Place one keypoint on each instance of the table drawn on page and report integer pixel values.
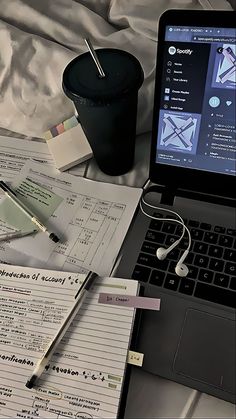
(93, 219)
(100, 235)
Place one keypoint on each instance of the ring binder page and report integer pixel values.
(85, 376)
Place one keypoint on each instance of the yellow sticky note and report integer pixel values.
(135, 358)
(47, 135)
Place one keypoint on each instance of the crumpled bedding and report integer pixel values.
(39, 38)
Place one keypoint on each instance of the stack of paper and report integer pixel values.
(15, 152)
(92, 218)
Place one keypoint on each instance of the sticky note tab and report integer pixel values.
(135, 358)
(130, 301)
(60, 128)
(47, 135)
(70, 123)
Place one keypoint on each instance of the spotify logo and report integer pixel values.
(172, 50)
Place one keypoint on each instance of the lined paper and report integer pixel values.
(85, 376)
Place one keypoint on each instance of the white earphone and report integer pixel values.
(181, 269)
(162, 252)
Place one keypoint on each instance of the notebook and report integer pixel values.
(192, 171)
(85, 376)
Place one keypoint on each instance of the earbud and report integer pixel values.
(181, 269)
(162, 252)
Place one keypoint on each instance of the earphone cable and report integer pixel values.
(142, 201)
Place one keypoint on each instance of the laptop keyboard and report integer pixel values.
(211, 261)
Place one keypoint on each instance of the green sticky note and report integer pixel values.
(40, 201)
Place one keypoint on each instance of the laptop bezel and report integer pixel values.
(178, 177)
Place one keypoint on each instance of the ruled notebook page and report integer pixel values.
(85, 376)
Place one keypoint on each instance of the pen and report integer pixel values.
(79, 298)
(12, 195)
(16, 234)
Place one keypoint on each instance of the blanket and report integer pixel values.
(39, 38)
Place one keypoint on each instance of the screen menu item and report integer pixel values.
(196, 120)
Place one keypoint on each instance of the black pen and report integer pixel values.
(79, 298)
(12, 195)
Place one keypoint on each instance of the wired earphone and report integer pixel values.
(181, 269)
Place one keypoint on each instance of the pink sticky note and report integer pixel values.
(130, 301)
(60, 128)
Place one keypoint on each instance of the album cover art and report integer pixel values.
(224, 74)
(178, 131)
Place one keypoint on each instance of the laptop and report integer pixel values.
(192, 171)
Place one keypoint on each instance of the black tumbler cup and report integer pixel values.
(107, 107)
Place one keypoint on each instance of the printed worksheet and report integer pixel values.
(15, 152)
(84, 378)
(12, 257)
(91, 221)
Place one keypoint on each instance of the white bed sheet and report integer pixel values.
(39, 38)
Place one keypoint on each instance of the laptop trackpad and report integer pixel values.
(204, 353)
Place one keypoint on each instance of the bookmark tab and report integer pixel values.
(130, 301)
(135, 358)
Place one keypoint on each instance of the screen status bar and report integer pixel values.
(200, 34)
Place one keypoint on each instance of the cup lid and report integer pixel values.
(81, 79)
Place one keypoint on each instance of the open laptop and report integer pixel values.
(192, 171)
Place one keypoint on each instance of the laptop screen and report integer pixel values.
(196, 116)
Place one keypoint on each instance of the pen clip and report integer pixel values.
(86, 284)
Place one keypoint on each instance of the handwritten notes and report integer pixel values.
(85, 376)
